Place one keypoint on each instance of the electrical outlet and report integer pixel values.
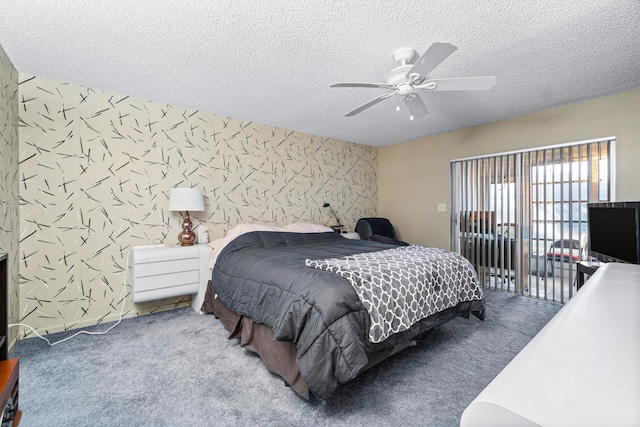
(442, 207)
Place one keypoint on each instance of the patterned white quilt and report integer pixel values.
(401, 286)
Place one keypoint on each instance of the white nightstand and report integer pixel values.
(352, 236)
(164, 271)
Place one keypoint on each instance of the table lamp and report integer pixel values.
(186, 199)
(338, 227)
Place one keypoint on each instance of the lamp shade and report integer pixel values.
(186, 199)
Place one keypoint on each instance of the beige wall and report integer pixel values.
(9, 182)
(95, 173)
(413, 177)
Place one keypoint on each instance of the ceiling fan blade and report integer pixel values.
(376, 85)
(371, 103)
(416, 106)
(429, 60)
(459, 83)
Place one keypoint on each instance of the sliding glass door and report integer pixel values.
(521, 217)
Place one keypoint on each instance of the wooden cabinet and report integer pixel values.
(9, 369)
(4, 279)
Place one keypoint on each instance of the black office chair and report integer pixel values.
(378, 229)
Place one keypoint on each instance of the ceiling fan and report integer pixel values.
(408, 78)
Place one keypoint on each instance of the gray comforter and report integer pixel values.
(262, 275)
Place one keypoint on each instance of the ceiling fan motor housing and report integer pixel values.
(397, 75)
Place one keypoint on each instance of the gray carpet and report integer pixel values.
(178, 368)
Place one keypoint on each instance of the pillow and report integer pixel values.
(218, 245)
(307, 227)
(248, 228)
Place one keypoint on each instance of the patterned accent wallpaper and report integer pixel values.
(9, 183)
(95, 173)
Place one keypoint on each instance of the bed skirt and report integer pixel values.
(279, 357)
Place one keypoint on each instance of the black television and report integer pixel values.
(613, 231)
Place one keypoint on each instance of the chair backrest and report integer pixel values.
(368, 227)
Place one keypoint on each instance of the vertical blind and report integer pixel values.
(521, 217)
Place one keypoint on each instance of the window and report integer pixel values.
(521, 217)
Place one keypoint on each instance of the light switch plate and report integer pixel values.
(442, 207)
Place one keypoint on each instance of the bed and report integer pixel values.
(304, 301)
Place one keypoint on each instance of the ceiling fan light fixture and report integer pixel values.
(405, 89)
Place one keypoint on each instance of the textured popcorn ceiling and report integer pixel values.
(272, 61)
